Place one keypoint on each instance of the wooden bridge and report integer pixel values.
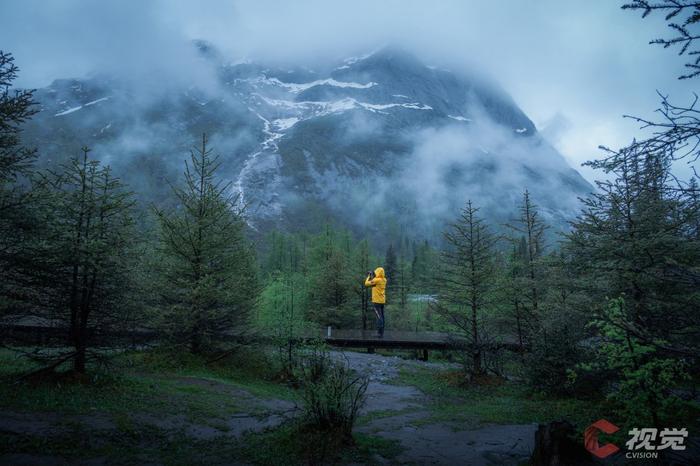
(31, 333)
(395, 339)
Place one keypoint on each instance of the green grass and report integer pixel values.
(286, 445)
(292, 444)
(499, 402)
(510, 403)
(117, 393)
(139, 445)
(249, 370)
(119, 446)
(163, 386)
(141, 382)
(376, 415)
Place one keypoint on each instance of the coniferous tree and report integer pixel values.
(16, 107)
(332, 271)
(425, 260)
(692, 208)
(634, 244)
(18, 224)
(561, 329)
(466, 280)
(275, 256)
(513, 292)
(208, 275)
(331, 280)
(528, 232)
(683, 18)
(390, 265)
(67, 244)
(87, 254)
(635, 239)
(283, 306)
(362, 265)
(402, 286)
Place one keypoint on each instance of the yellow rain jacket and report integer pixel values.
(378, 284)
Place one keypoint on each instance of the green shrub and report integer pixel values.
(332, 393)
(643, 376)
(549, 365)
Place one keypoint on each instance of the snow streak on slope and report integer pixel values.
(322, 108)
(75, 109)
(275, 103)
(298, 87)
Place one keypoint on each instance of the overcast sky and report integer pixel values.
(575, 67)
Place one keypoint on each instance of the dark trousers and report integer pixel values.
(379, 311)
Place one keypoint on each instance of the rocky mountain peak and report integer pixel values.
(377, 135)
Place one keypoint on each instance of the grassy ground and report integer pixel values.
(143, 382)
(500, 402)
(495, 401)
(155, 407)
(292, 442)
(283, 445)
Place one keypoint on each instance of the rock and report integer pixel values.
(555, 447)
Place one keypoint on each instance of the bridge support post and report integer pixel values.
(370, 350)
(424, 354)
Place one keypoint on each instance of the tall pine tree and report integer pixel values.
(390, 265)
(528, 234)
(637, 255)
(208, 278)
(466, 280)
(85, 263)
(18, 224)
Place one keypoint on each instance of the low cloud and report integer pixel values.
(587, 60)
(486, 163)
(446, 166)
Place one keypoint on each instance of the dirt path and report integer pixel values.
(425, 442)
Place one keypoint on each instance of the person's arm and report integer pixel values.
(369, 283)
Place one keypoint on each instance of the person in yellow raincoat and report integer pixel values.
(377, 281)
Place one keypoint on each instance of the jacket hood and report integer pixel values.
(379, 272)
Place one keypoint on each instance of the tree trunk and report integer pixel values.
(79, 360)
(520, 329)
(476, 351)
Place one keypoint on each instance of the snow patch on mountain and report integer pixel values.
(322, 108)
(299, 87)
(285, 123)
(75, 109)
(353, 60)
(69, 111)
(95, 101)
(459, 118)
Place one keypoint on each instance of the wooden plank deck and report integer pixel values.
(345, 338)
(391, 339)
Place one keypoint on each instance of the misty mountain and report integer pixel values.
(382, 143)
